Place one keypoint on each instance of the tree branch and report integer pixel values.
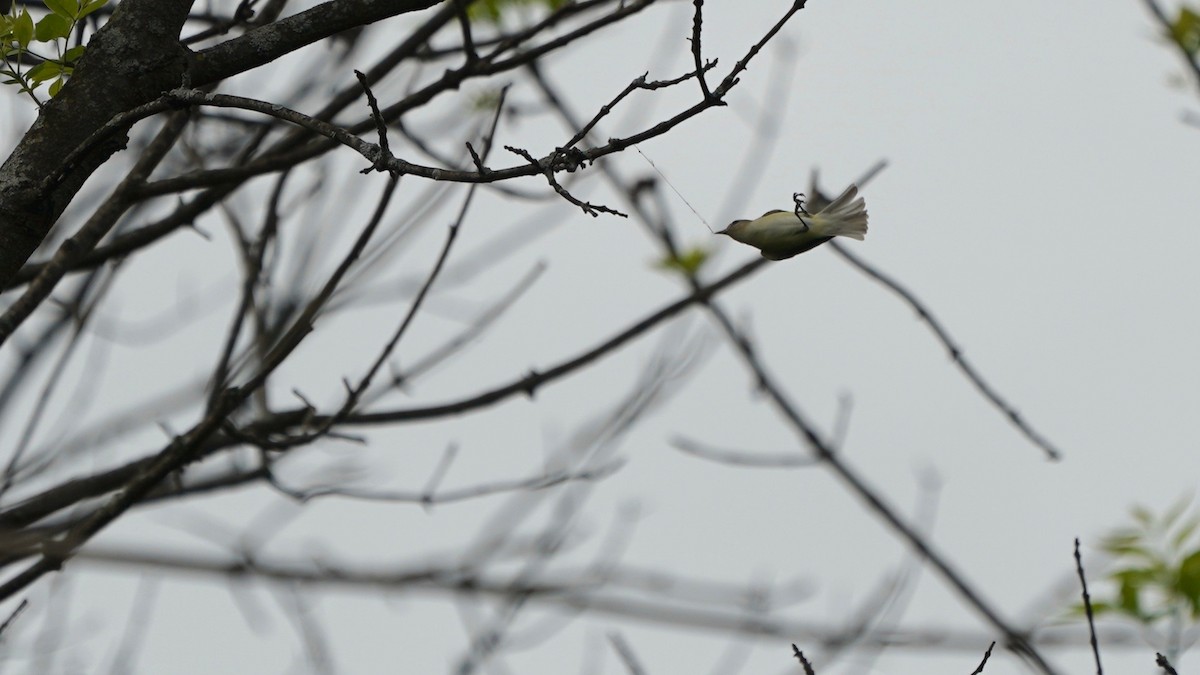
(139, 47)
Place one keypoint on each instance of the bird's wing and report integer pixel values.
(801, 226)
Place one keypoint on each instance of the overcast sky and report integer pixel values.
(1039, 197)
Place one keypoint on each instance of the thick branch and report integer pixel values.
(267, 43)
(130, 61)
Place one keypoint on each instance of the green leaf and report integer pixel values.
(67, 9)
(46, 70)
(1129, 600)
(52, 27)
(89, 7)
(484, 10)
(485, 101)
(56, 86)
(1189, 581)
(1186, 30)
(688, 262)
(73, 54)
(59, 8)
(23, 28)
(1128, 544)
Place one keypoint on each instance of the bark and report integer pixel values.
(130, 61)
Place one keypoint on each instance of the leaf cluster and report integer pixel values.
(1158, 573)
(18, 31)
(1185, 30)
(686, 262)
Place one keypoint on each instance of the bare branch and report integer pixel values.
(13, 616)
(269, 42)
(701, 66)
(1087, 606)
(808, 669)
(954, 350)
(431, 495)
(788, 460)
(625, 652)
(568, 159)
(90, 234)
(986, 655)
(1016, 640)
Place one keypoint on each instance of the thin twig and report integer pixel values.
(986, 655)
(731, 79)
(294, 153)
(429, 361)
(133, 638)
(808, 669)
(253, 260)
(451, 236)
(1015, 640)
(701, 67)
(242, 15)
(188, 446)
(625, 652)
(464, 22)
(98, 225)
(13, 616)
(439, 472)
(56, 498)
(535, 379)
(380, 125)
(638, 83)
(952, 348)
(547, 169)
(380, 158)
(783, 460)
(430, 497)
(1163, 663)
(1087, 608)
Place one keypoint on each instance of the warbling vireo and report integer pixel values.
(782, 234)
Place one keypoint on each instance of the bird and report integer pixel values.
(780, 234)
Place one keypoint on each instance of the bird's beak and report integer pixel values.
(730, 227)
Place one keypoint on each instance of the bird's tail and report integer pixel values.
(845, 216)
